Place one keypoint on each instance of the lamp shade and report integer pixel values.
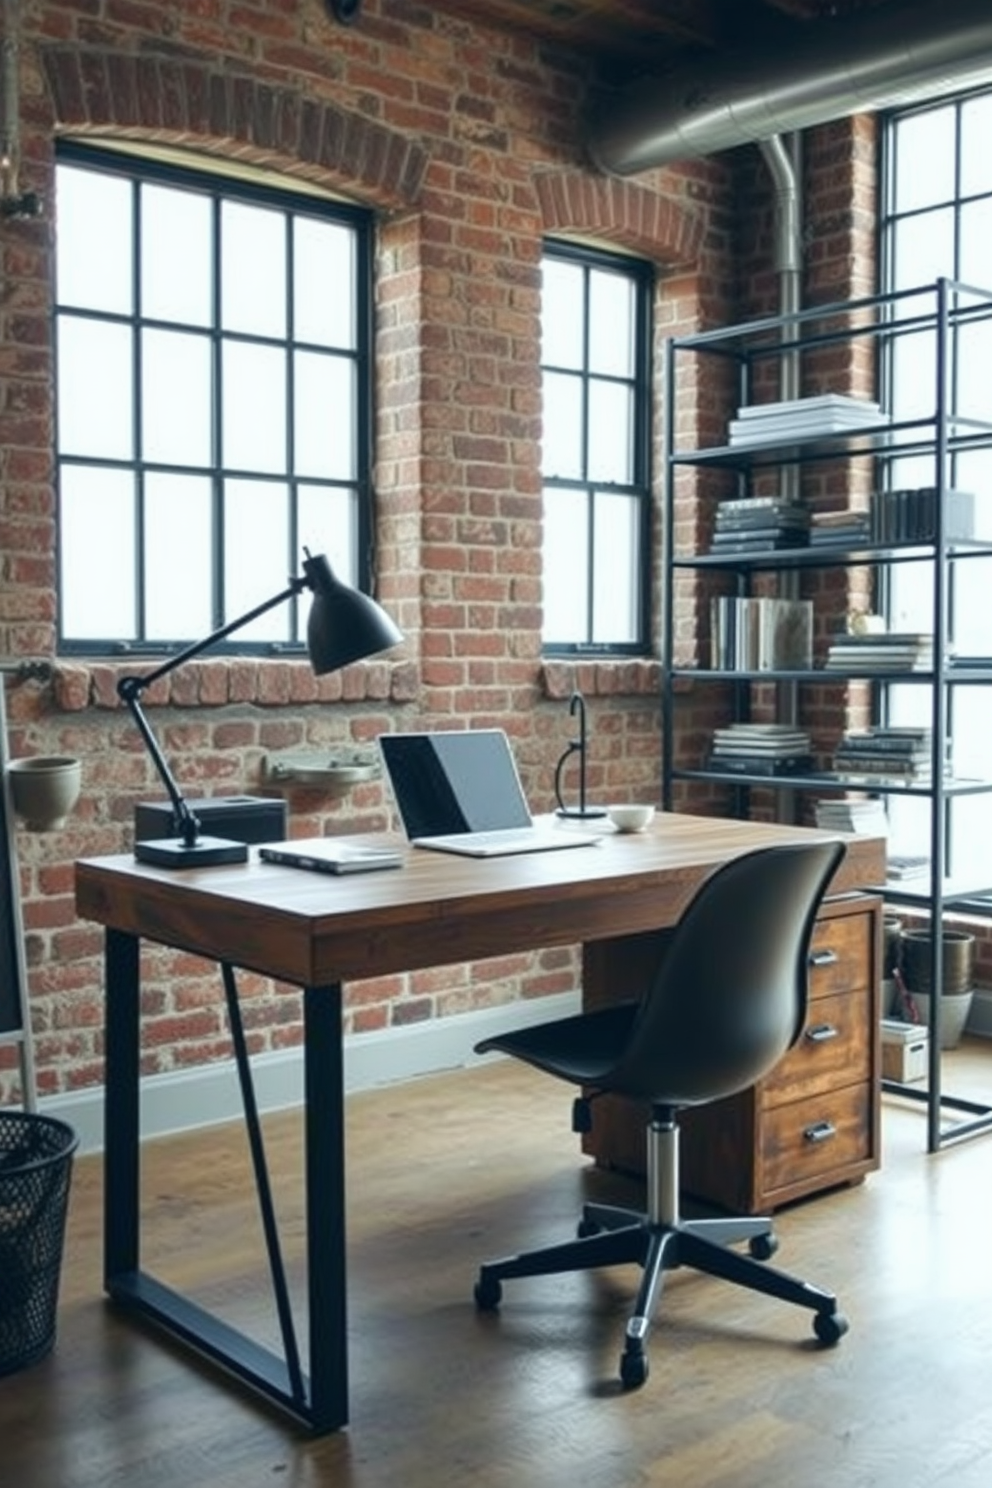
(344, 625)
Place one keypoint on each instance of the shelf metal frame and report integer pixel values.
(950, 305)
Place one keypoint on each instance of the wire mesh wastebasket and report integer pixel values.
(35, 1167)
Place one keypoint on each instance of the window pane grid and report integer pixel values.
(938, 211)
(233, 356)
(596, 408)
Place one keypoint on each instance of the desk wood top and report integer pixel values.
(314, 929)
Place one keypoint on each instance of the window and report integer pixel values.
(937, 222)
(595, 360)
(212, 401)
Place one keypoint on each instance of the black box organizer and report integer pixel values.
(240, 818)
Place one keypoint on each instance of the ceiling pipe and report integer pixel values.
(820, 71)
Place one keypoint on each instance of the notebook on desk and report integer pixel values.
(460, 792)
(330, 855)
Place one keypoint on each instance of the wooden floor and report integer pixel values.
(446, 1171)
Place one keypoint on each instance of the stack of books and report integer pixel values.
(910, 516)
(879, 753)
(756, 524)
(761, 634)
(761, 749)
(840, 529)
(887, 651)
(802, 418)
(865, 814)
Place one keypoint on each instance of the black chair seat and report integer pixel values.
(583, 1049)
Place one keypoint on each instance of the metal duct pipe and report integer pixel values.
(783, 165)
(788, 245)
(871, 60)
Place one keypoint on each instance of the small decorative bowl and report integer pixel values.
(630, 817)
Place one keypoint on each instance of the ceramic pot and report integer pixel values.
(44, 790)
(952, 1015)
(957, 964)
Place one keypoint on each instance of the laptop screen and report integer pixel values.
(445, 783)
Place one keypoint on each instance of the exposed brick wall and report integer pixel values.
(467, 143)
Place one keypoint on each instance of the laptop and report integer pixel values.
(459, 792)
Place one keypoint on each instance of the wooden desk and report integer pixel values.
(316, 932)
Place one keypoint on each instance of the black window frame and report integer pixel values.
(889, 219)
(642, 273)
(222, 185)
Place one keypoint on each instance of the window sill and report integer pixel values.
(600, 677)
(214, 683)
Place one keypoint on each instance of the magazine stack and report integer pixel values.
(802, 418)
(864, 814)
(759, 524)
(885, 754)
(839, 529)
(887, 651)
(761, 749)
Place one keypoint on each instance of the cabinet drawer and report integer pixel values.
(841, 954)
(834, 1049)
(810, 1138)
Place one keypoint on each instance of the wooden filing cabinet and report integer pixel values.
(811, 1124)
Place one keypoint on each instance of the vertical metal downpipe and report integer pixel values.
(783, 161)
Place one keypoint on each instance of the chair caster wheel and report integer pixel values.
(763, 1247)
(633, 1369)
(587, 1227)
(488, 1293)
(830, 1327)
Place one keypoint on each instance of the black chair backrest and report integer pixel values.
(729, 997)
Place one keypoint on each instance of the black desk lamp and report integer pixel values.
(577, 703)
(344, 625)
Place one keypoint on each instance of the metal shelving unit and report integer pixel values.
(746, 361)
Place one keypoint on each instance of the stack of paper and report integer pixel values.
(865, 814)
(802, 418)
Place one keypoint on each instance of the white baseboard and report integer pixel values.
(184, 1100)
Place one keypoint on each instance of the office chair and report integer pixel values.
(727, 1000)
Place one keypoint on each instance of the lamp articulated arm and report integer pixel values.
(130, 689)
(344, 625)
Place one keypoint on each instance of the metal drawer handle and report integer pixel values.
(823, 958)
(821, 1032)
(820, 1131)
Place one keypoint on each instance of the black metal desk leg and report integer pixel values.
(121, 1240)
(325, 1190)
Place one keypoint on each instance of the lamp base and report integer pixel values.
(576, 813)
(206, 852)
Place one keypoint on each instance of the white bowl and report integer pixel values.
(630, 818)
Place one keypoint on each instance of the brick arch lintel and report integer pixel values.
(620, 212)
(188, 103)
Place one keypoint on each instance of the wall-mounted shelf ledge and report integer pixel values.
(331, 772)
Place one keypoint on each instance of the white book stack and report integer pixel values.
(864, 814)
(761, 749)
(886, 651)
(821, 417)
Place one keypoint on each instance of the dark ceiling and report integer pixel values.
(634, 36)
